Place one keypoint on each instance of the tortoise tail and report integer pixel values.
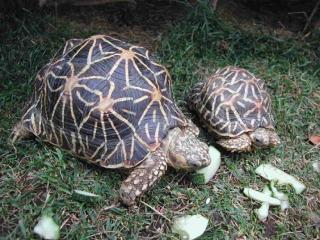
(30, 125)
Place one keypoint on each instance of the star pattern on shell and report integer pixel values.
(105, 100)
(233, 101)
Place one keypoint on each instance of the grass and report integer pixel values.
(39, 177)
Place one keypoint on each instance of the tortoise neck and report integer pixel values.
(169, 142)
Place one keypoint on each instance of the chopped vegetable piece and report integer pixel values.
(316, 166)
(272, 173)
(261, 197)
(263, 212)
(190, 226)
(47, 228)
(204, 175)
(281, 196)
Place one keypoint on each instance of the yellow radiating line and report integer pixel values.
(129, 112)
(87, 143)
(156, 135)
(88, 104)
(154, 115)
(71, 68)
(146, 128)
(97, 150)
(130, 126)
(63, 111)
(110, 43)
(81, 142)
(114, 150)
(73, 116)
(89, 56)
(92, 78)
(105, 58)
(85, 43)
(102, 52)
(60, 136)
(53, 131)
(111, 89)
(142, 63)
(144, 77)
(145, 112)
(103, 130)
(163, 112)
(124, 151)
(85, 87)
(132, 148)
(114, 128)
(55, 106)
(141, 99)
(126, 69)
(94, 130)
(138, 88)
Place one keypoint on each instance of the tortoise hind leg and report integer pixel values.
(143, 177)
(19, 132)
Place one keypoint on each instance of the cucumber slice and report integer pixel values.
(263, 212)
(190, 226)
(204, 175)
(47, 228)
(272, 173)
(261, 197)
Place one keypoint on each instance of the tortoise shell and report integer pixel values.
(105, 100)
(233, 101)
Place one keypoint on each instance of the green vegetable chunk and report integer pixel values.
(47, 228)
(272, 173)
(190, 226)
(261, 197)
(204, 175)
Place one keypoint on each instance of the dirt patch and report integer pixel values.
(141, 24)
(282, 17)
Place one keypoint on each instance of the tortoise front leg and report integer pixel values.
(143, 177)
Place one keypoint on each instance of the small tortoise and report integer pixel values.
(236, 107)
(110, 103)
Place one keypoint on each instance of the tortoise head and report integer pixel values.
(186, 151)
(263, 137)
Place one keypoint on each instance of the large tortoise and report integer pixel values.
(236, 107)
(110, 103)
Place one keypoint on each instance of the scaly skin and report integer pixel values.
(143, 177)
(181, 150)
